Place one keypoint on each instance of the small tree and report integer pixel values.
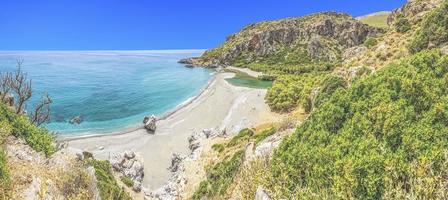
(41, 112)
(21, 87)
(5, 85)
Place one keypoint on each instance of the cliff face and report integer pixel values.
(413, 10)
(319, 36)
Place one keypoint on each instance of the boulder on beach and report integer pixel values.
(150, 123)
(76, 120)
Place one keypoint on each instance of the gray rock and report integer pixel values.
(76, 120)
(150, 123)
(129, 154)
(32, 191)
(261, 194)
(207, 132)
(267, 146)
(93, 187)
(176, 160)
(137, 186)
(444, 50)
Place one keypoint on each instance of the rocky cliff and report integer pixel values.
(316, 37)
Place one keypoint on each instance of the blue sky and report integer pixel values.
(150, 24)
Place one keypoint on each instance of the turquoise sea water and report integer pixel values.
(110, 90)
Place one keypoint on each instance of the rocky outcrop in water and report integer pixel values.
(76, 120)
(150, 123)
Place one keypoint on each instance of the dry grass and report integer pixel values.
(376, 19)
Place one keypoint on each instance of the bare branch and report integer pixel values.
(21, 87)
(41, 112)
(5, 85)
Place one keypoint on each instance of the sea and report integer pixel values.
(111, 91)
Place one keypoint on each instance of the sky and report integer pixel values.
(150, 24)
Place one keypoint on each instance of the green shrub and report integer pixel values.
(5, 180)
(106, 183)
(219, 177)
(328, 86)
(370, 42)
(218, 147)
(402, 25)
(264, 134)
(287, 91)
(433, 31)
(244, 134)
(127, 181)
(386, 136)
(40, 139)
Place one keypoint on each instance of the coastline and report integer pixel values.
(219, 105)
(190, 100)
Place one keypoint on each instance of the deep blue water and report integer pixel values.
(110, 90)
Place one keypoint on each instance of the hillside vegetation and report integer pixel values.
(378, 121)
(386, 136)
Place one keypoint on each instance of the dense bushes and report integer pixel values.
(433, 31)
(384, 137)
(38, 138)
(288, 91)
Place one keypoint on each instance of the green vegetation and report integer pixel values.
(107, 185)
(264, 134)
(370, 42)
(219, 177)
(402, 25)
(386, 136)
(127, 181)
(289, 91)
(218, 147)
(38, 138)
(433, 31)
(5, 180)
(244, 134)
(376, 20)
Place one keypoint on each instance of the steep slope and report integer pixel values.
(294, 41)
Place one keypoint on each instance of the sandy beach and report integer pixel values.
(221, 105)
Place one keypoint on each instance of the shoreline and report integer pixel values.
(124, 131)
(221, 105)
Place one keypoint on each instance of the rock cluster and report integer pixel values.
(175, 186)
(130, 165)
(150, 123)
(413, 10)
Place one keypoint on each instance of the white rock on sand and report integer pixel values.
(220, 105)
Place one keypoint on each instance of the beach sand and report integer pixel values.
(220, 105)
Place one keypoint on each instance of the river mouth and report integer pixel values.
(245, 80)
